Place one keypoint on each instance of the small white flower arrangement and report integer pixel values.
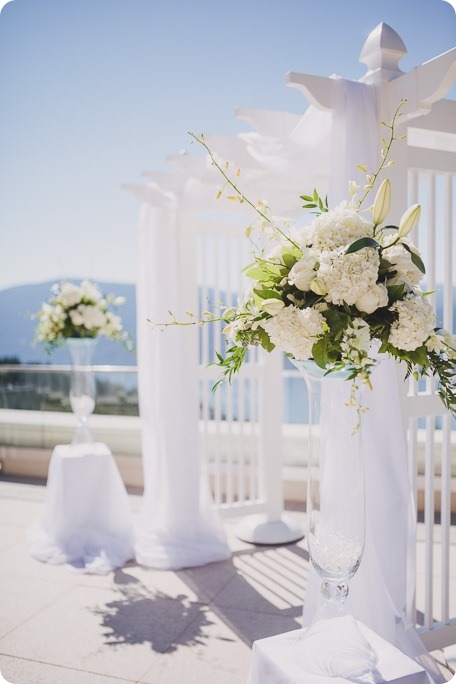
(78, 311)
(338, 289)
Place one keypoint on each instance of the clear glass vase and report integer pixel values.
(333, 644)
(82, 386)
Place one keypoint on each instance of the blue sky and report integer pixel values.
(94, 92)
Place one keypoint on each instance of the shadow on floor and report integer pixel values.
(140, 616)
(257, 593)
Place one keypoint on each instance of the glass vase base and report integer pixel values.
(334, 647)
(82, 435)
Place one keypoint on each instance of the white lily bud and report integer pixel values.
(409, 220)
(317, 285)
(272, 306)
(382, 202)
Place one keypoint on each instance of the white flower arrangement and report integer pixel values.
(338, 289)
(78, 311)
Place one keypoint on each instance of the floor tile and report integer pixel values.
(217, 656)
(22, 598)
(267, 581)
(208, 580)
(9, 537)
(112, 632)
(19, 512)
(20, 671)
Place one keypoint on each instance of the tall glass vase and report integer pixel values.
(333, 644)
(82, 385)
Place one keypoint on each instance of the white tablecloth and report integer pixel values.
(273, 663)
(86, 518)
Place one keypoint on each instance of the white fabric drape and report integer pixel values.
(379, 592)
(86, 518)
(179, 526)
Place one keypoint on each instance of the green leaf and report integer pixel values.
(320, 353)
(414, 257)
(315, 195)
(307, 198)
(418, 263)
(309, 206)
(337, 320)
(395, 292)
(252, 263)
(360, 243)
(385, 265)
(390, 228)
(419, 356)
(265, 340)
(256, 273)
(265, 293)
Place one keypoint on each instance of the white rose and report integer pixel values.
(303, 272)
(373, 299)
(70, 295)
(76, 316)
(92, 317)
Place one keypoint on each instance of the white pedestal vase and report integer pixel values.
(333, 644)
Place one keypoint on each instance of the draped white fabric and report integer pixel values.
(380, 591)
(278, 660)
(179, 526)
(86, 519)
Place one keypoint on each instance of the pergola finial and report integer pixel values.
(381, 53)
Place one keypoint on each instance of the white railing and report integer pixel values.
(245, 465)
(434, 190)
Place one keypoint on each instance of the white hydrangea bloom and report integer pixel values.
(295, 331)
(303, 272)
(76, 316)
(92, 316)
(70, 295)
(339, 227)
(401, 259)
(348, 276)
(415, 323)
(302, 236)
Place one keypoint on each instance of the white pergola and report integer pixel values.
(273, 157)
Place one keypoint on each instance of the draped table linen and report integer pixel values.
(273, 662)
(86, 518)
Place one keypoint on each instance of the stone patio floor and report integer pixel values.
(137, 624)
